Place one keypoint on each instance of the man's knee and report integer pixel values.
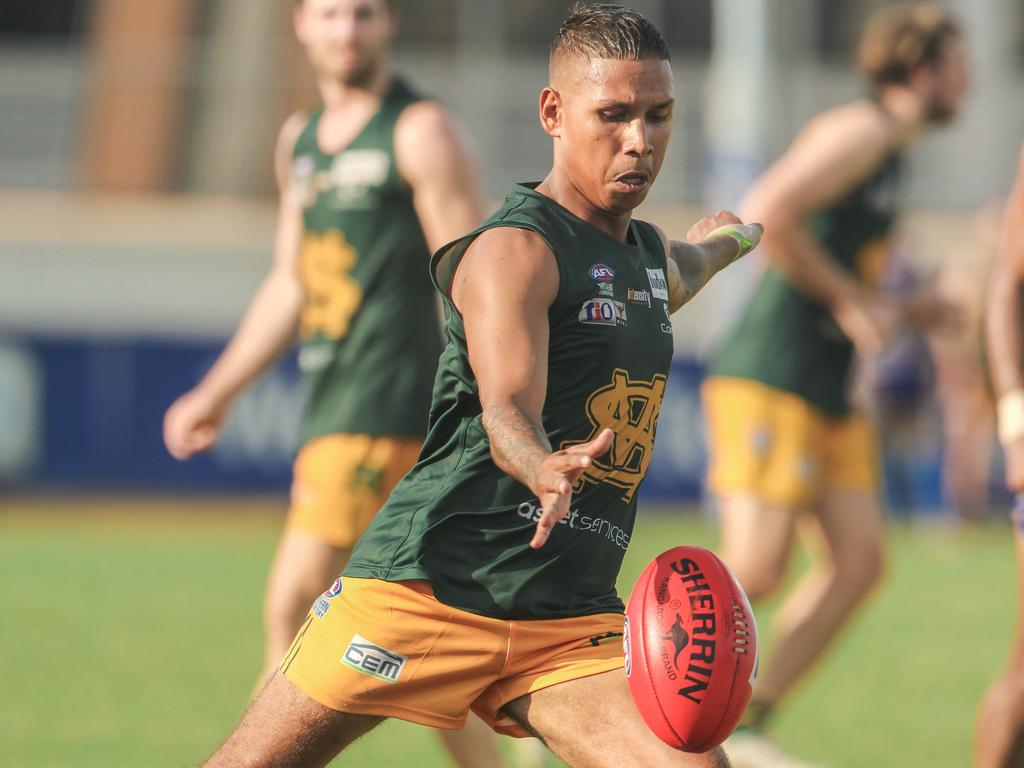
(861, 567)
(283, 611)
(295, 582)
(759, 578)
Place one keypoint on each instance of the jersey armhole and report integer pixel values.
(446, 261)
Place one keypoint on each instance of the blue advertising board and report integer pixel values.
(87, 413)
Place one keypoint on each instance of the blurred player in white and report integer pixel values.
(370, 184)
(788, 450)
(1000, 728)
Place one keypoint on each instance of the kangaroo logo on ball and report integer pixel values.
(679, 638)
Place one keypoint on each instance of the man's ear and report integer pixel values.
(551, 111)
(922, 79)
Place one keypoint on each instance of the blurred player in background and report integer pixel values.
(785, 447)
(1000, 730)
(368, 185)
(476, 585)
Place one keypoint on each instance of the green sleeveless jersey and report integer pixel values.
(457, 520)
(369, 327)
(790, 342)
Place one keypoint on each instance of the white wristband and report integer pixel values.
(1010, 416)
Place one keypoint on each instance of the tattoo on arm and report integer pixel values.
(689, 270)
(518, 444)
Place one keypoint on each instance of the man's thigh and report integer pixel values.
(340, 481)
(592, 722)
(763, 443)
(285, 728)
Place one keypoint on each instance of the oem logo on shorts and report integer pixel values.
(363, 656)
(602, 273)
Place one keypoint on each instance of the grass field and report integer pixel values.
(130, 637)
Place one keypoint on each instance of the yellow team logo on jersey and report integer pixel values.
(629, 408)
(332, 295)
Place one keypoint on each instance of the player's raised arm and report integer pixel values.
(503, 288)
(268, 327)
(1004, 324)
(712, 244)
(833, 154)
(435, 157)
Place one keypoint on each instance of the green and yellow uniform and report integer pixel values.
(369, 329)
(451, 545)
(779, 417)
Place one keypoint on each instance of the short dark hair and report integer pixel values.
(900, 38)
(608, 31)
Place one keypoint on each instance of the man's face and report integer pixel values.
(611, 121)
(949, 83)
(347, 40)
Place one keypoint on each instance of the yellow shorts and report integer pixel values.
(340, 481)
(392, 649)
(778, 447)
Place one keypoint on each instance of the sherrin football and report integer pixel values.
(691, 648)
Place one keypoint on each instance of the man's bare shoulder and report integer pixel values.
(858, 123)
(528, 249)
(518, 260)
(292, 128)
(423, 125)
(287, 137)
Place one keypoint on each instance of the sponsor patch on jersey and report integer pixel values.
(606, 289)
(659, 285)
(370, 659)
(602, 273)
(360, 168)
(639, 296)
(324, 601)
(602, 312)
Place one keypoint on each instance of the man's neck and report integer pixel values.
(906, 109)
(561, 189)
(335, 93)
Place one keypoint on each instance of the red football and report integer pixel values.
(691, 648)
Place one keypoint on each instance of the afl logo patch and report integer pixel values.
(335, 589)
(602, 273)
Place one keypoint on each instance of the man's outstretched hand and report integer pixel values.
(555, 478)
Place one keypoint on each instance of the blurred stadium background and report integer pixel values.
(136, 219)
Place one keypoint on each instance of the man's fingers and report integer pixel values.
(595, 447)
(554, 508)
(562, 469)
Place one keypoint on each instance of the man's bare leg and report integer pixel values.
(304, 566)
(592, 722)
(999, 732)
(284, 728)
(475, 746)
(756, 542)
(849, 531)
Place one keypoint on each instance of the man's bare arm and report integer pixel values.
(434, 156)
(712, 244)
(831, 156)
(1005, 318)
(268, 327)
(503, 288)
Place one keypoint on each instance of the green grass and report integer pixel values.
(131, 638)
